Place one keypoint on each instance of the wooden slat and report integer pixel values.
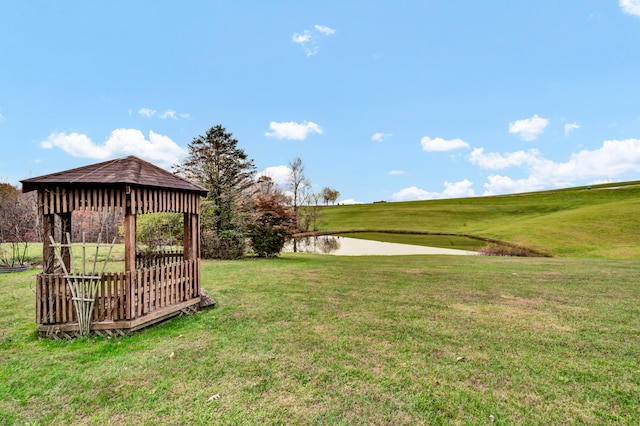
(121, 296)
(128, 280)
(140, 300)
(109, 300)
(174, 282)
(50, 203)
(112, 297)
(55, 291)
(157, 286)
(38, 299)
(63, 301)
(147, 291)
(125, 294)
(43, 301)
(51, 309)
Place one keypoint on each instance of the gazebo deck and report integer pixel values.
(126, 301)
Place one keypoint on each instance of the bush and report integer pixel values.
(273, 224)
(494, 249)
(229, 244)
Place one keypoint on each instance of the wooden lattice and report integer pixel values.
(82, 282)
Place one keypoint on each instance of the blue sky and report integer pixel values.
(382, 100)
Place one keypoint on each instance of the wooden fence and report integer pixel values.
(158, 258)
(122, 296)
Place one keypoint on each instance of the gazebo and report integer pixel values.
(141, 295)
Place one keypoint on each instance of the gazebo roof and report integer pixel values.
(129, 170)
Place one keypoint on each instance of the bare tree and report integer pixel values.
(329, 195)
(267, 187)
(298, 184)
(17, 225)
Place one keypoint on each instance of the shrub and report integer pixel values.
(229, 244)
(272, 225)
(495, 249)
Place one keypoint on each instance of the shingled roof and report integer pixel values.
(121, 171)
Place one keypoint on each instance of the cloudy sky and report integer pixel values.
(382, 100)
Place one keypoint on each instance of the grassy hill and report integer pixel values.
(596, 221)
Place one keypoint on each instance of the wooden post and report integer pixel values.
(48, 255)
(195, 224)
(191, 237)
(129, 241)
(188, 237)
(65, 226)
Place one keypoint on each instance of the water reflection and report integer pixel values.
(345, 246)
(324, 244)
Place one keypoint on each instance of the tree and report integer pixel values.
(298, 184)
(16, 226)
(310, 213)
(272, 225)
(267, 187)
(215, 162)
(329, 195)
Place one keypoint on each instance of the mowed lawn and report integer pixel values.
(318, 339)
(598, 222)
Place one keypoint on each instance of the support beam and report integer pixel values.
(186, 242)
(65, 227)
(48, 256)
(191, 242)
(129, 241)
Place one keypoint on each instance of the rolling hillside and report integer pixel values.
(596, 221)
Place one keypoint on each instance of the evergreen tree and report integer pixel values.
(215, 162)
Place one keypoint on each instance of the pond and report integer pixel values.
(345, 246)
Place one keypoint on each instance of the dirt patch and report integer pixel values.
(512, 300)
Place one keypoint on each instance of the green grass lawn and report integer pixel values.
(316, 339)
(601, 222)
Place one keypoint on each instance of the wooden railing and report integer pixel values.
(163, 286)
(159, 258)
(122, 296)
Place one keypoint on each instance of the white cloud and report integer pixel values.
(308, 39)
(631, 7)
(439, 144)
(505, 185)
(379, 136)
(497, 161)
(293, 131)
(1, 118)
(612, 159)
(570, 127)
(279, 174)
(458, 189)
(158, 149)
(529, 128)
(325, 30)
(452, 190)
(147, 112)
(168, 114)
(301, 38)
(396, 172)
(349, 201)
(412, 193)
